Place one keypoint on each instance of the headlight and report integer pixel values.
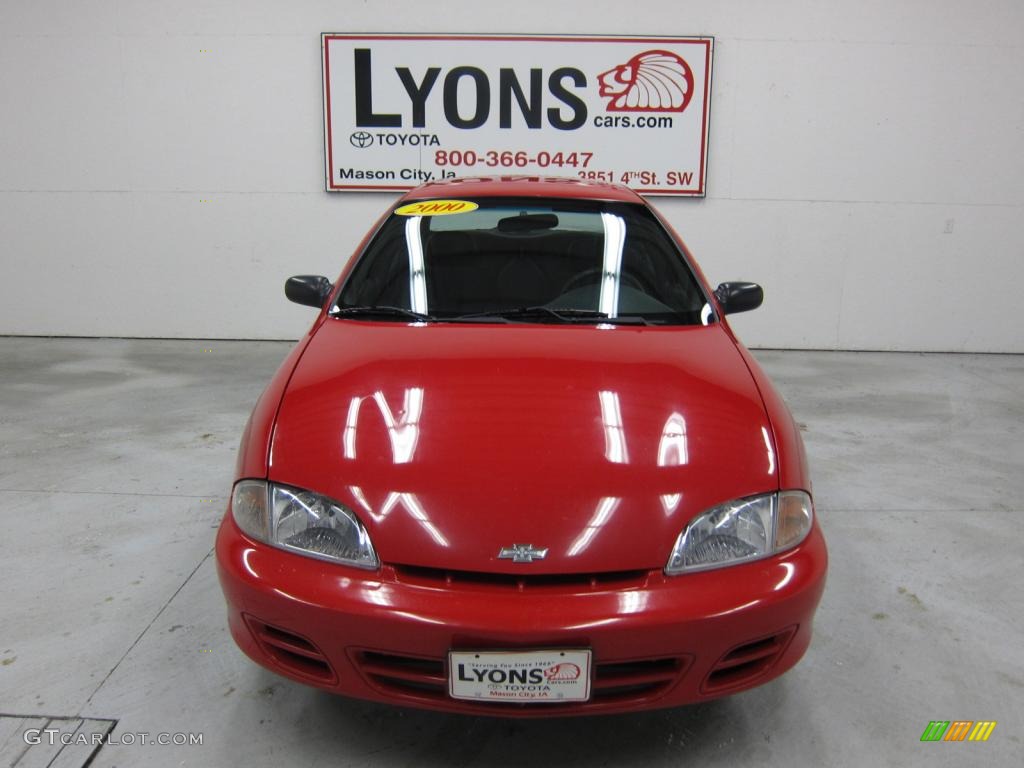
(303, 522)
(742, 530)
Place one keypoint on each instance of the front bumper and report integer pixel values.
(657, 641)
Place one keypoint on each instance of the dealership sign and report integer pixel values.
(400, 110)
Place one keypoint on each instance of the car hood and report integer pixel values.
(453, 441)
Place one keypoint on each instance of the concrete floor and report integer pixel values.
(115, 458)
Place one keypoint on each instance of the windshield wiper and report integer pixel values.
(525, 313)
(380, 311)
(563, 315)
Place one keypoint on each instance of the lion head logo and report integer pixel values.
(653, 81)
(563, 671)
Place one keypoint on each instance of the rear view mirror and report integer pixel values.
(309, 290)
(527, 222)
(739, 297)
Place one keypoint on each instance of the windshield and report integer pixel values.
(524, 260)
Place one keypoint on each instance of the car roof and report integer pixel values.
(524, 186)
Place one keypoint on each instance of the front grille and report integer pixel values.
(402, 673)
(293, 652)
(746, 662)
(440, 578)
(615, 683)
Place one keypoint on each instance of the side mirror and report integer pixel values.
(309, 290)
(739, 297)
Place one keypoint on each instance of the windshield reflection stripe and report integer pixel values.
(614, 240)
(417, 274)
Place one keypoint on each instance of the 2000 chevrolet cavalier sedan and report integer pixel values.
(520, 465)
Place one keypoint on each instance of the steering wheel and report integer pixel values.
(594, 275)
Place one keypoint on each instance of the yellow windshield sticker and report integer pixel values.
(436, 208)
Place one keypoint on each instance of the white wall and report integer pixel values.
(866, 162)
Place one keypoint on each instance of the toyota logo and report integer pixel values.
(360, 139)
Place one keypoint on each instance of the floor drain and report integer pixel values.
(54, 742)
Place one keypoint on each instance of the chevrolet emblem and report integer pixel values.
(522, 553)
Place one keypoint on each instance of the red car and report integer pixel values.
(521, 466)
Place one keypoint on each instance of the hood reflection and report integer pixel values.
(770, 448)
(416, 511)
(403, 435)
(673, 452)
(605, 509)
(614, 433)
(410, 502)
(404, 432)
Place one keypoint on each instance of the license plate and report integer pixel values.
(520, 676)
